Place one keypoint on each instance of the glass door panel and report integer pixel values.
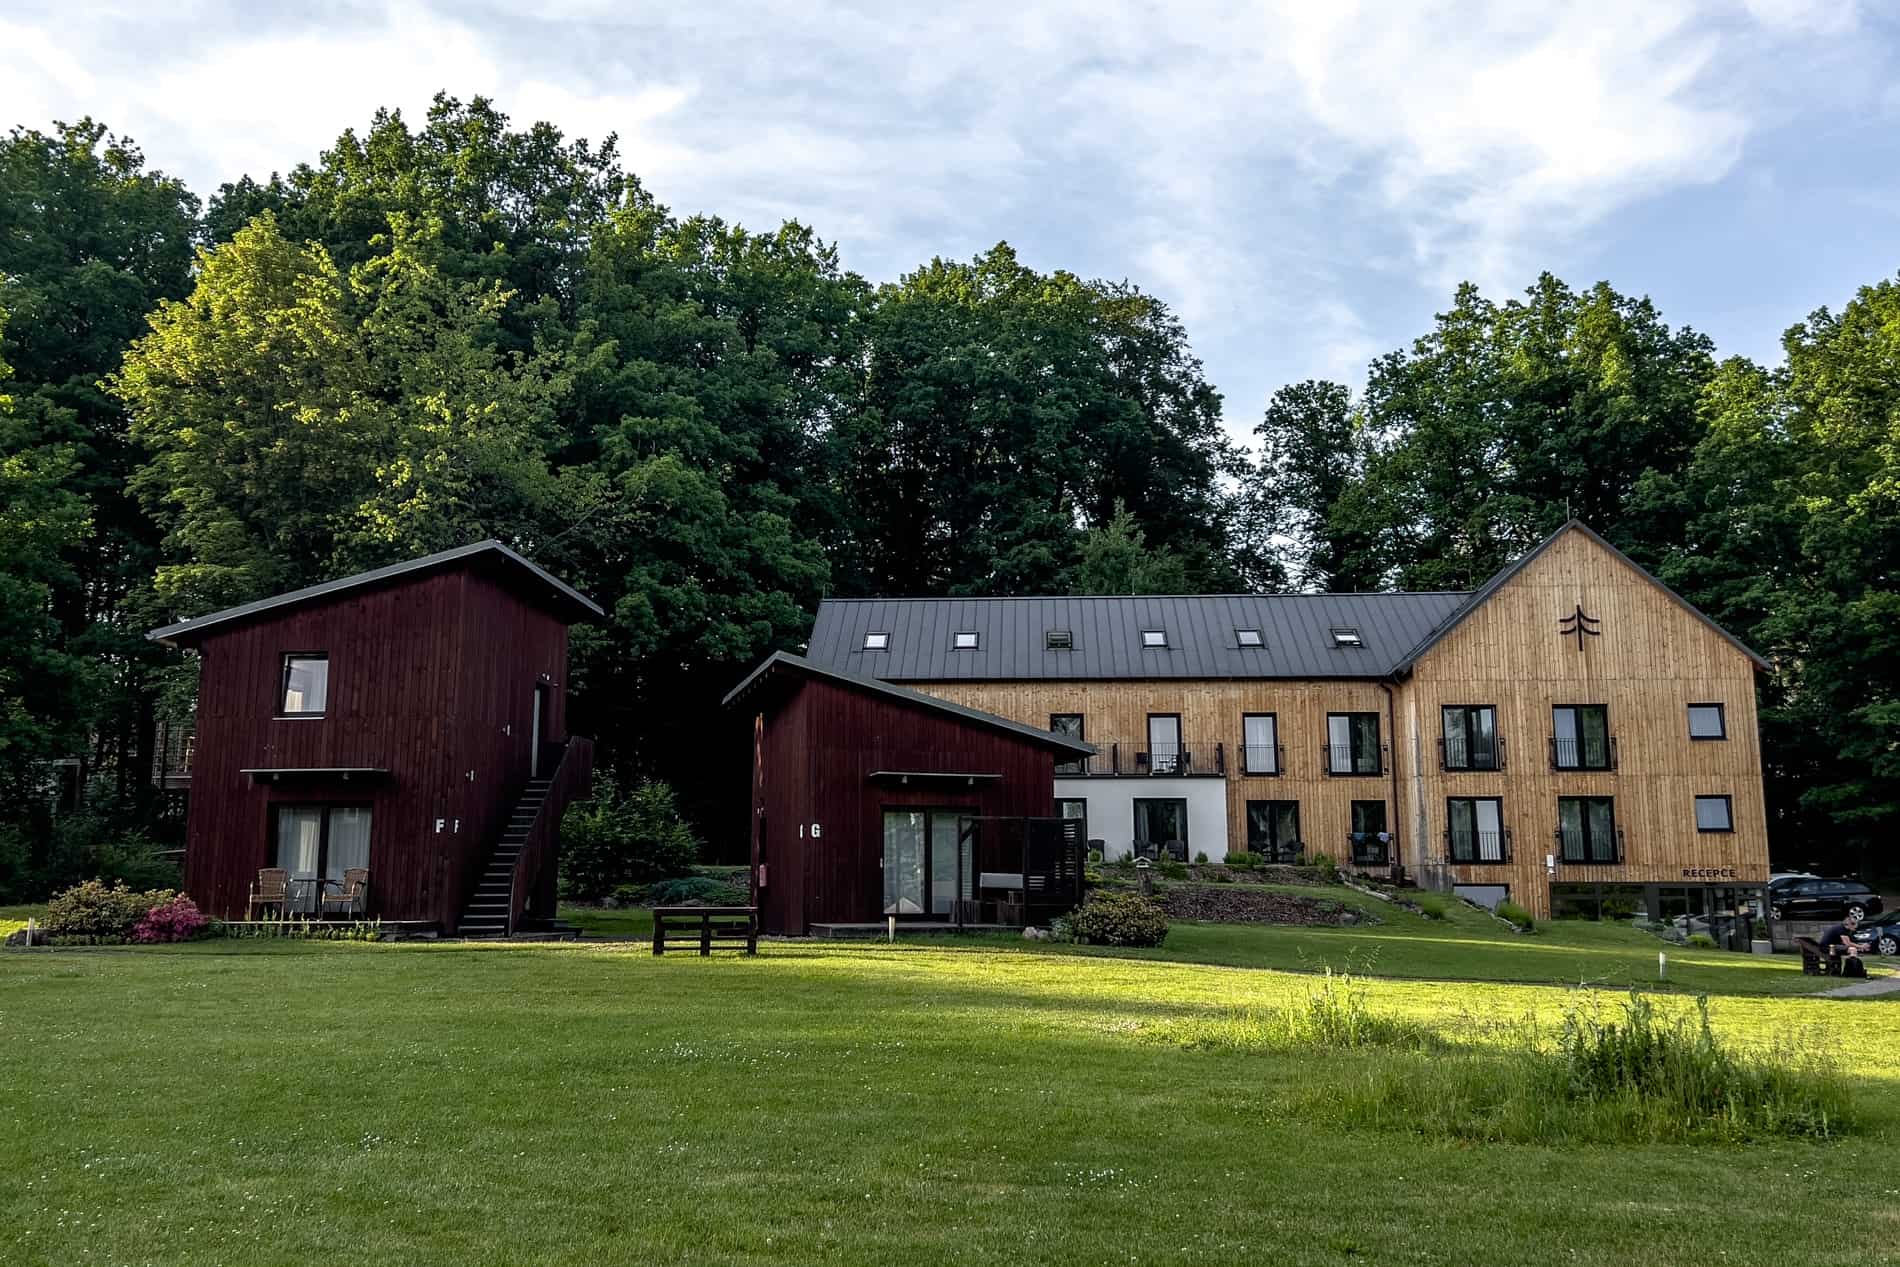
(943, 863)
(904, 874)
(1164, 743)
(349, 841)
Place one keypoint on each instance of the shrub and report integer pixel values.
(1200, 857)
(1095, 857)
(1118, 919)
(38, 860)
(697, 890)
(176, 920)
(1327, 868)
(1512, 913)
(1171, 869)
(1702, 941)
(1433, 905)
(96, 909)
(623, 838)
(1243, 860)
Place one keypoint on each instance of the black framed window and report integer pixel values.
(1586, 829)
(316, 844)
(1714, 813)
(1165, 752)
(1580, 737)
(1469, 737)
(304, 690)
(1708, 721)
(1347, 636)
(1154, 638)
(1273, 830)
(1069, 726)
(1161, 825)
(1371, 843)
(1259, 743)
(1058, 640)
(1248, 638)
(1352, 743)
(963, 640)
(877, 641)
(1474, 829)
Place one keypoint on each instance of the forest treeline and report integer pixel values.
(463, 329)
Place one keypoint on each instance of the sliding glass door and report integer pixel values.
(316, 844)
(920, 862)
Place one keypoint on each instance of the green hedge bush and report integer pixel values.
(620, 838)
(94, 909)
(1118, 919)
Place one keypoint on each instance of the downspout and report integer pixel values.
(1392, 728)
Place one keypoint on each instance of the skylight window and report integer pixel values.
(1248, 638)
(964, 640)
(1347, 636)
(1059, 640)
(877, 642)
(1154, 637)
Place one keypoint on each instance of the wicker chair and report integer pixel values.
(271, 890)
(353, 897)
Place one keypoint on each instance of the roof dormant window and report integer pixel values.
(1248, 638)
(1347, 636)
(877, 642)
(963, 640)
(1154, 638)
(1059, 640)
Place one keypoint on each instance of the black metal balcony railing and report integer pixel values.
(1576, 848)
(1262, 758)
(1598, 753)
(1115, 758)
(1462, 754)
(1478, 846)
(1341, 758)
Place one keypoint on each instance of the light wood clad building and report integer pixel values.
(1573, 735)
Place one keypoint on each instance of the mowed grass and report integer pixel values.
(863, 1104)
(1470, 945)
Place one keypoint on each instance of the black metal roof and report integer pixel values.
(1106, 636)
(562, 598)
(783, 662)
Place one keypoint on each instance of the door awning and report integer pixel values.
(343, 773)
(935, 776)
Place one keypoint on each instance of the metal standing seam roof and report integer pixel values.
(1106, 632)
(567, 599)
(785, 661)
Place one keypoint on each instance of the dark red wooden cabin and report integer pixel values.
(865, 794)
(411, 720)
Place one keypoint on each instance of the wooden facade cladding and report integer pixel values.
(817, 743)
(432, 679)
(1649, 661)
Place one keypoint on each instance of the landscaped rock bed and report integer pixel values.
(1233, 904)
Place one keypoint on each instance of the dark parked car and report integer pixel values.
(1881, 934)
(1823, 899)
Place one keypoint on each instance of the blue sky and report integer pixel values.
(1303, 182)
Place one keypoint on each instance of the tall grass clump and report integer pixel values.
(1517, 916)
(1432, 905)
(1331, 1015)
(1642, 1076)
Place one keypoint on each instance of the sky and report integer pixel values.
(1303, 183)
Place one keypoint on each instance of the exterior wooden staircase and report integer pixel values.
(528, 845)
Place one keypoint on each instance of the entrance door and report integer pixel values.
(1164, 743)
(920, 862)
(534, 731)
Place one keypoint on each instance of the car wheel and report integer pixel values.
(1856, 910)
(1888, 944)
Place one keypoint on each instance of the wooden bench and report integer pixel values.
(705, 925)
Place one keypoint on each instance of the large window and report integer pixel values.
(1475, 829)
(1352, 743)
(1161, 828)
(1707, 721)
(317, 844)
(1273, 830)
(1580, 737)
(1260, 743)
(1069, 726)
(1714, 813)
(921, 851)
(305, 688)
(1164, 743)
(1371, 845)
(1586, 829)
(1470, 738)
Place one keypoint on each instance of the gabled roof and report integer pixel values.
(557, 596)
(1492, 586)
(783, 662)
(1106, 636)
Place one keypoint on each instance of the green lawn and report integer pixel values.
(569, 1104)
(15, 917)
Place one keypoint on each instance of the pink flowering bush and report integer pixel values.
(177, 919)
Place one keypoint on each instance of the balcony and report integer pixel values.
(1263, 759)
(1588, 849)
(1586, 753)
(1136, 760)
(1460, 755)
(1343, 760)
(1464, 848)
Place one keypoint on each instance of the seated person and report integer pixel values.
(1838, 942)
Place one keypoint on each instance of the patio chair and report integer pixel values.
(1177, 850)
(353, 897)
(270, 890)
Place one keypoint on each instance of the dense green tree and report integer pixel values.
(90, 240)
(1312, 454)
(1116, 559)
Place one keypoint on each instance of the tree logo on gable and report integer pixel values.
(1579, 626)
